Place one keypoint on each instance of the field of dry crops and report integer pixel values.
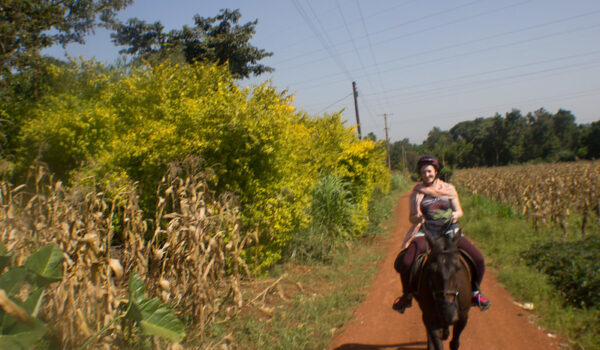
(188, 255)
(554, 193)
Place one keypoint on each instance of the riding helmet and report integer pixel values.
(428, 160)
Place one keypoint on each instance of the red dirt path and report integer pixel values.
(376, 326)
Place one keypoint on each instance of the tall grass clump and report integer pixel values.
(332, 206)
(331, 210)
(381, 204)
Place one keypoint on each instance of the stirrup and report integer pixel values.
(481, 301)
(402, 303)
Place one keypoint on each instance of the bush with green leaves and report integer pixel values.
(22, 290)
(109, 124)
(573, 267)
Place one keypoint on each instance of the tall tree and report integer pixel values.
(516, 133)
(543, 143)
(591, 141)
(28, 26)
(217, 39)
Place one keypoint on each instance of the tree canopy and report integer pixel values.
(509, 139)
(28, 26)
(217, 39)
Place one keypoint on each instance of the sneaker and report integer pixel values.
(402, 303)
(480, 301)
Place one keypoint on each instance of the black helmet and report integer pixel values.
(428, 160)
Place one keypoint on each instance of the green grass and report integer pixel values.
(322, 304)
(503, 235)
(319, 296)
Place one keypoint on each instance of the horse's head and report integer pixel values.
(442, 267)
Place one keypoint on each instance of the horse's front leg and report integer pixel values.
(434, 342)
(456, 331)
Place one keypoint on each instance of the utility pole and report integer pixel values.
(356, 109)
(387, 141)
(403, 158)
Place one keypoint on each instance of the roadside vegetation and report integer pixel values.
(165, 184)
(548, 258)
(304, 301)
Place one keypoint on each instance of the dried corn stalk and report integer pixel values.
(548, 193)
(192, 260)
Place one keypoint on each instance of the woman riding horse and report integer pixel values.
(433, 204)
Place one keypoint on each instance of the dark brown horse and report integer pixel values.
(444, 291)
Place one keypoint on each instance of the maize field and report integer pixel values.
(557, 193)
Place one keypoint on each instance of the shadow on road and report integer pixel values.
(403, 346)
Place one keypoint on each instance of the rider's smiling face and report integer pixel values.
(428, 174)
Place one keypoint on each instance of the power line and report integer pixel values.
(473, 85)
(385, 10)
(582, 93)
(536, 63)
(329, 48)
(461, 20)
(362, 65)
(463, 54)
(364, 25)
(333, 104)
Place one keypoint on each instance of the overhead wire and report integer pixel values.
(355, 50)
(335, 103)
(472, 86)
(497, 70)
(479, 84)
(310, 53)
(386, 10)
(453, 89)
(463, 43)
(558, 97)
(322, 38)
(463, 54)
(373, 56)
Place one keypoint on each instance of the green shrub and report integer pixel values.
(20, 327)
(128, 125)
(401, 182)
(332, 207)
(573, 267)
(380, 208)
(331, 211)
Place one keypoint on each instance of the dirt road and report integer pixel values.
(376, 326)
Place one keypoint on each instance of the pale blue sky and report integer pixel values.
(425, 63)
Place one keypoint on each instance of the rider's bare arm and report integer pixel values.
(457, 212)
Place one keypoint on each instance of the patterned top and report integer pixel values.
(437, 212)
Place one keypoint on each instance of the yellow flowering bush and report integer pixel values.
(115, 124)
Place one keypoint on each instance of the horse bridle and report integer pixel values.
(440, 295)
